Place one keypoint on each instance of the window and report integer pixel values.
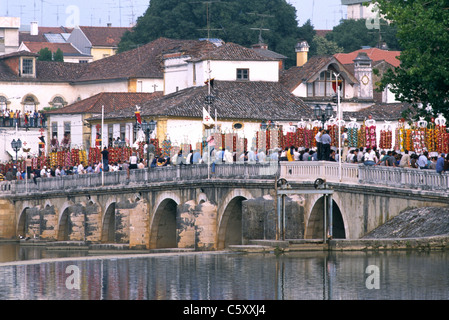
(3, 103)
(67, 127)
(27, 67)
(323, 86)
(29, 104)
(54, 130)
(83, 61)
(122, 131)
(110, 135)
(242, 74)
(58, 102)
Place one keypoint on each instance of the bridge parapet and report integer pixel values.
(140, 177)
(406, 178)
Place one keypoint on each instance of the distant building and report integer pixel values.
(357, 9)
(100, 42)
(9, 34)
(70, 53)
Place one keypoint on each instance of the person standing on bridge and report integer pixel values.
(326, 145)
(440, 164)
(105, 154)
(318, 144)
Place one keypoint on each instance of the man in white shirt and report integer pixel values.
(422, 160)
(80, 169)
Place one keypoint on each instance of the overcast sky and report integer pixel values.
(324, 14)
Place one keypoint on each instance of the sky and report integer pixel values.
(324, 14)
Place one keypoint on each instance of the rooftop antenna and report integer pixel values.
(208, 3)
(57, 12)
(263, 16)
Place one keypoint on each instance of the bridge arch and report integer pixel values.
(64, 223)
(315, 223)
(230, 218)
(21, 229)
(163, 223)
(108, 224)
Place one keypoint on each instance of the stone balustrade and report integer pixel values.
(296, 171)
(311, 170)
(140, 176)
(360, 174)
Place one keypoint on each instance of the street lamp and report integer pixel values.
(16, 145)
(148, 128)
(325, 114)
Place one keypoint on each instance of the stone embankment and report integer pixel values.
(422, 228)
(416, 229)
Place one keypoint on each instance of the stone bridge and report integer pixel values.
(188, 207)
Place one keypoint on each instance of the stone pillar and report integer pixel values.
(93, 223)
(7, 220)
(122, 214)
(49, 223)
(185, 228)
(139, 225)
(206, 226)
(77, 216)
(33, 222)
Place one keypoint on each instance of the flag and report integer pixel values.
(138, 118)
(334, 84)
(207, 119)
(41, 138)
(211, 82)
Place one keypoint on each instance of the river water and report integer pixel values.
(401, 275)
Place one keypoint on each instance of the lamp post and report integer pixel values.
(16, 145)
(325, 114)
(148, 128)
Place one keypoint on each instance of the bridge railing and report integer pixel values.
(406, 178)
(142, 176)
(311, 170)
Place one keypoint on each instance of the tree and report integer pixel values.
(45, 55)
(422, 79)
(352, 35)
(322, 46)
(59, 55)
(241, 22)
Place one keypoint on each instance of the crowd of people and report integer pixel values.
(10, 118)
(323, 152)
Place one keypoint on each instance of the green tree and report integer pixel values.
(352, 35)
(59, 56)
(322, 46)
(422, 79)
(231, 20)
(45, 55)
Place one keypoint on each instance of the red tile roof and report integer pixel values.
(112, 101)
(374, 54)
(104, 36)
(66, 48)
(26, 36)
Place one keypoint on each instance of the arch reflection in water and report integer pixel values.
(203, 276)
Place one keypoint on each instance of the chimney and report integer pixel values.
(302, 50)
(262, 46)
(34, 28)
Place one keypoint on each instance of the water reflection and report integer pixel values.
(204, 276)
(15, 252)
